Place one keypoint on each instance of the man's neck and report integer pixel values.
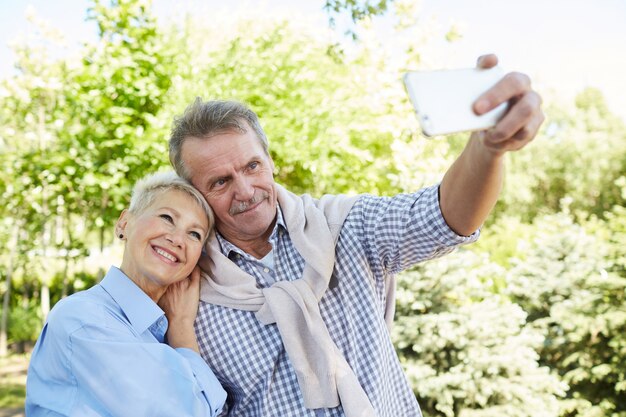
(258, 247)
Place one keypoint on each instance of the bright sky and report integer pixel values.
(565, 45)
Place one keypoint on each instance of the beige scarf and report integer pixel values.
(324, 376)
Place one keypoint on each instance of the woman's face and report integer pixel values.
(163, 242)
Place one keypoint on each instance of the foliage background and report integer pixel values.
(531, 320)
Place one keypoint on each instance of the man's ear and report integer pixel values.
(120, 226)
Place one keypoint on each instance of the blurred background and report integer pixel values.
(529, 321)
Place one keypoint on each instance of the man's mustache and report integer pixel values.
(242, 206)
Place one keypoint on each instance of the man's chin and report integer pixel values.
(242, 229)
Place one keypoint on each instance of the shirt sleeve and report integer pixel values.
(401, 231)
(211, 388)
(130, 377)
(88, 362)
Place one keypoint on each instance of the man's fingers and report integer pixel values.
(529, 131)
(519, 139)
(512, 85)
(487, 61)
(523, 119)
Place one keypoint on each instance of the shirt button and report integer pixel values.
(266, 270)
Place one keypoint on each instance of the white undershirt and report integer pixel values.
(268, 260)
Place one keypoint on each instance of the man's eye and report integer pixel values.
(253, 165)
(219, 182)
(167, 218)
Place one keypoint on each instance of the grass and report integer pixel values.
(12, 395)
(13, 380)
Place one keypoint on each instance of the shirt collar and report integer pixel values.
(227, 247)
(140, 310)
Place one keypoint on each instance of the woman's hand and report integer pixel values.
(180, 304)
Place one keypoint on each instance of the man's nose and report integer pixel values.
(243, 189)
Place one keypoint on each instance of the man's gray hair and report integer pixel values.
(147, 189)
(203, 119)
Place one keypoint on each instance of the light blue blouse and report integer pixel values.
(101, 353)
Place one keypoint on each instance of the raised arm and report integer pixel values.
(472, 184)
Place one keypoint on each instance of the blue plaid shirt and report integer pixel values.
(380, 237)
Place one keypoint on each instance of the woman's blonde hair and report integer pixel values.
(147, 189)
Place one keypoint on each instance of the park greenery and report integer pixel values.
(529, 321)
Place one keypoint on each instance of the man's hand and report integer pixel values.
(524, 117)
(180, 304)
(470, 188)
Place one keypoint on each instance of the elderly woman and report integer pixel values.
(127, 346)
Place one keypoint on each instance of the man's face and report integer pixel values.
(235, 175)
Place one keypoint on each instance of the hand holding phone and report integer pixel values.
(443, 99)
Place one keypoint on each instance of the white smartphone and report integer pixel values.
(443, 99)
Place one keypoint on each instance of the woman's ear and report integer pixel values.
(120, 226)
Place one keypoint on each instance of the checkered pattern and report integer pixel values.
(380, 237)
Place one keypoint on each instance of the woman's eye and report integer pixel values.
(196, 235)
(167, 218)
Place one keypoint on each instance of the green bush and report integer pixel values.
(465, 348)
(24, 324)
(572, 284)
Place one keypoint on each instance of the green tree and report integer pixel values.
(31, 110)
(77, 135)
(573, 163)
(115, 96)
(357, 9)
(318, 109)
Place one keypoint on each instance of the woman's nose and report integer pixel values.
(176, 238)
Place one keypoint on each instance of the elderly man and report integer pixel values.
(298, 293)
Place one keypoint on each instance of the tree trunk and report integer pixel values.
(45, 300)
(68, 248)
(48, 225)
(7, 295)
